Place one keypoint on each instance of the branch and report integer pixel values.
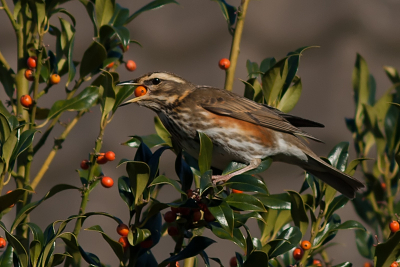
(56, 147)
(10, 15)
(235, 49)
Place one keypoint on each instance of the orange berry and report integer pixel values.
(298, 254)
(130, 65)
(394, 264)
(140, 90)
(55, 78)
(319, 263)
(306, 245)
(173, 231)
(233, 262)
(368, 264)
(123, 229)
(235, 191)
(224, 63)
(109, 155)
(208, 217)
(26, 101)
(31, 62)
(394, 226)
(170, 216)
(146, 243)
(84, 164)
(29, 75)
(3, 242)
(123, 240)
(109, 66)
(383, 185)
(107, 182)
(101, 158)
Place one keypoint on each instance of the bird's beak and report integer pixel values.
(132, 83)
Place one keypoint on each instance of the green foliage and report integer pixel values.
(201, 205)
(375, 123)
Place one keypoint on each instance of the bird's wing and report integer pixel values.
(294, 120)
(225, 103)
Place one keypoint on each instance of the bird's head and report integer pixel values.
(157, 90)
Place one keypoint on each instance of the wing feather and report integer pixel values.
(232, 105)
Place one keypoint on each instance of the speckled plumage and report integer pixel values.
(241, 130)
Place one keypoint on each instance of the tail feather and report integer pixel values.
(342, 182)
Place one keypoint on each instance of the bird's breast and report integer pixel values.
(233, 139)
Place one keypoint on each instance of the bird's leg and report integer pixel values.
(223, 178)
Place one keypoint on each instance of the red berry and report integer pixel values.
(306, 245)
(122, 48)
(196, 216)
(394, 264)
(233, 262)
(175, 210)
(84, 164)
(367, 264)
(208, 217)
(189, 193)
(123, 229)
(109, 155)
(318, 263)
(298, 254)
(224, 63)
(55, 78)
(107, 182)
(394, 226)
(184, 211)
(170, 216)
(109, 66)
(29, 75)
(123, 240)
(31, 62)
(146, 243)
(173, 231)
(202, 206)
(101, 159)
(26, 101)
(3, 242)
(140, 90)
(130, 65)
(235, 191)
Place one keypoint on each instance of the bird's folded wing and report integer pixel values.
(244, 109)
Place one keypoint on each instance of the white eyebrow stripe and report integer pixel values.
(165, 76)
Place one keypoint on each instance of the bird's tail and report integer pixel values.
(342, 182)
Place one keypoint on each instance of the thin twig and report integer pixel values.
(53, 152)
(235, 49)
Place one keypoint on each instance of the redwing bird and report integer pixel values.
(241, 130)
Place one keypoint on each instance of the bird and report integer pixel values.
(240, 129)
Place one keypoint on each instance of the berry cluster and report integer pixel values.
(102, 158)
(31, 63)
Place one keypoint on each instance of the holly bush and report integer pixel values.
(284, 220)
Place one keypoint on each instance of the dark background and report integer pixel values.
(189, 39)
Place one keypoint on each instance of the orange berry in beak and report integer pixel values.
(140, 90)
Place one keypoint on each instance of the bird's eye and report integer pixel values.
(155, 81)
